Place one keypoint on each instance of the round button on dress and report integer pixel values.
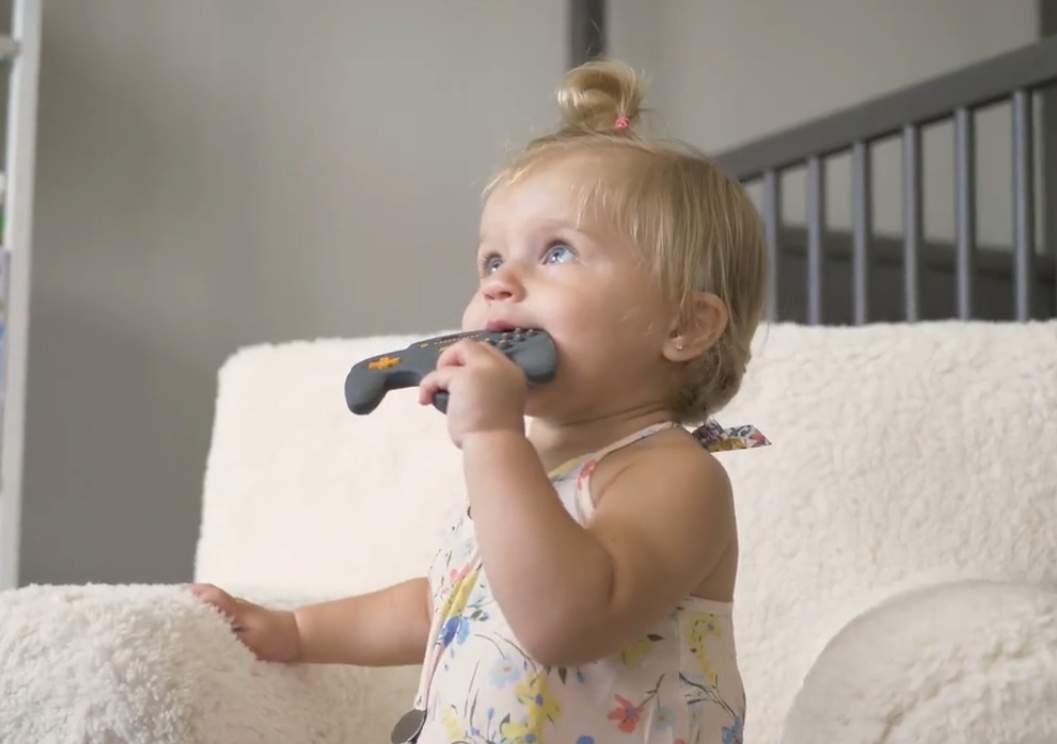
(409, 726)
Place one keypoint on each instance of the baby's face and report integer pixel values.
(580, 282)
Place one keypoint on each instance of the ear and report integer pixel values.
(693, 335)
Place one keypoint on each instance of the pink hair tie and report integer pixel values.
(622, 122)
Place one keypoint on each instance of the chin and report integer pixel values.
(538, 404)
(546, 402)
(541, 408)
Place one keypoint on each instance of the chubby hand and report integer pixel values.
(486, 391)
(270, 634)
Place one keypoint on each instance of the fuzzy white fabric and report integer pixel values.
(303, 496)
(904, 456)
(142, 664)
(975, 662)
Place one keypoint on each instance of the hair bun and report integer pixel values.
(601, 96)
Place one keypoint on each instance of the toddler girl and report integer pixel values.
(586, 595)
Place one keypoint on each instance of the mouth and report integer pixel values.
(502, 325)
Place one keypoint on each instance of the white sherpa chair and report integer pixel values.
(898, 580)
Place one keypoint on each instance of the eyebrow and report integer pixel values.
(546, 225)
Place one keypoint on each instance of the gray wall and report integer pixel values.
(218, 173)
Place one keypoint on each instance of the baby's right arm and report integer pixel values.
(388, 627)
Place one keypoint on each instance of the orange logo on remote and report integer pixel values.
(384, 363)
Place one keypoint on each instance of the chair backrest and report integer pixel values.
(303, 497)
(902, 454)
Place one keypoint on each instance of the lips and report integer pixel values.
(502, 325)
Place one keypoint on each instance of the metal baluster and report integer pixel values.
(912, 222)
(772, 220)
(862, 226)
(964, 208)
(1023, 205)
(587, 30)
(815, 224)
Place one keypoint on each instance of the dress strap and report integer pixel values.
(593, 457)
(711, 435)
(586, 465)
(635, 436)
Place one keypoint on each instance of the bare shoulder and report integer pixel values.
(671, 482)
(664, 509)
(673, 460)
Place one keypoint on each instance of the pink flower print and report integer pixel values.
(627, 713)
(664, 718)
(758, 439)
(457, 576)
(585, 473)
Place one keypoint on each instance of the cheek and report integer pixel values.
(473, 317)
(640, 321)
(589, 314)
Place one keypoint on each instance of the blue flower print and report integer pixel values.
(456, 628)
(503, 672)
(732, 735)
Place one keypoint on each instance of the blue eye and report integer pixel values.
(490, 264)
(559, 253)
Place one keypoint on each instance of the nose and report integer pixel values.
(502, 285)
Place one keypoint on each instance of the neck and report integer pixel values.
(558, 441)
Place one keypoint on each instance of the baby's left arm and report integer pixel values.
(575, 594)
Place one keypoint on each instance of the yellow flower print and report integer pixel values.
(633, 653)
(725, 445)
(460, 595)
(451, 724)
(538, 700)
(523, 732)
(703, 625)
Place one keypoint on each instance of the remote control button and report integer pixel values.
(491, 341)
(506, 344)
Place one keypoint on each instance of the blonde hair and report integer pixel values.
(696, 227)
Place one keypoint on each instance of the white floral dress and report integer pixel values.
(677, 684)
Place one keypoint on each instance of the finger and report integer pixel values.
(464, 352)
(435, 382)
(438, 379)
(454, 355)
(241, 606)
(207, 592)
(215, 596)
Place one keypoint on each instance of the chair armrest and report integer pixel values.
(150, 663)
(956, 661)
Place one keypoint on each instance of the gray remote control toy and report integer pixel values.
(367, 383)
